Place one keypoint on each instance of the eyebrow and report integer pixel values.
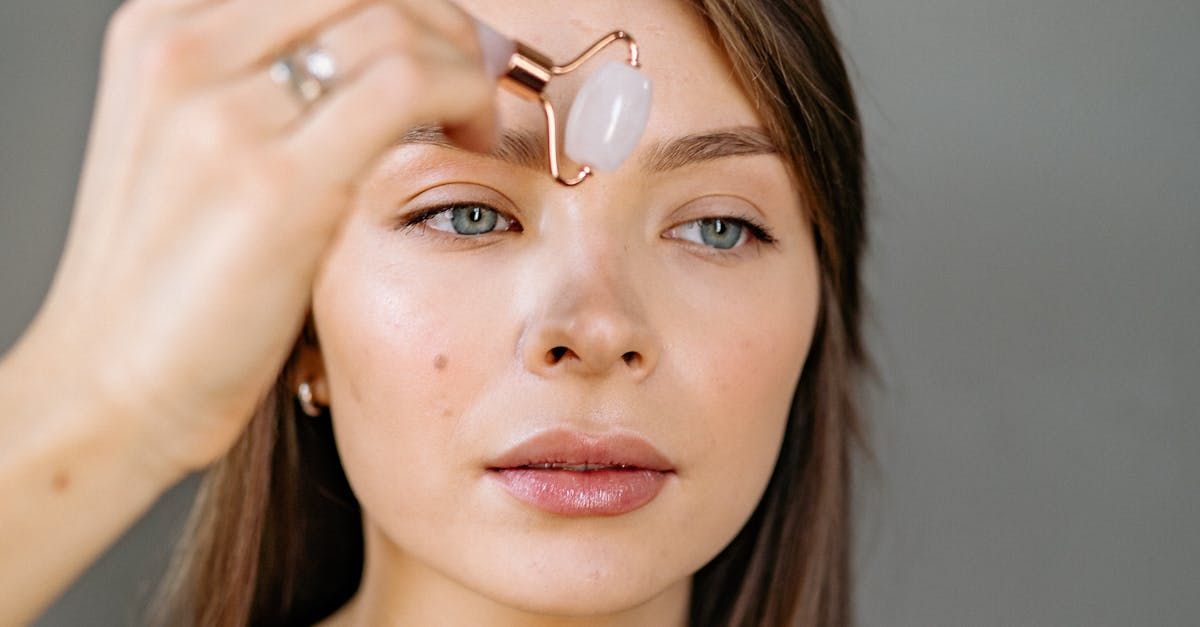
(527, 149)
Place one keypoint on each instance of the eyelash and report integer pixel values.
(761, 235)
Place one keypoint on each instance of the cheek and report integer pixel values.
(742, 362)
(742, 387)
(404, 356)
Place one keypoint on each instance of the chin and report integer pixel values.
(588, 581)
(578, 597)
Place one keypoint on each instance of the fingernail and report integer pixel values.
(497, 49)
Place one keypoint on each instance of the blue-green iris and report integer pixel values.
(720, 233)
(473, 220)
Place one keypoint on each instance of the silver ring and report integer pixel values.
(309, 72)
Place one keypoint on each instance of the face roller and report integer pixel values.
(609, 113)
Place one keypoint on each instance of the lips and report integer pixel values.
(574, 474)
(561, 447)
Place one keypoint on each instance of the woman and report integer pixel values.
(355, 314)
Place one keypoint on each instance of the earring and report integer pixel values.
(304, 393)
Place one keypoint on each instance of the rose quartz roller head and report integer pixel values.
(608, 115)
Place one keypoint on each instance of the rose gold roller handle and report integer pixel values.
(526, 72)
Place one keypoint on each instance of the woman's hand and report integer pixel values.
(208, 195)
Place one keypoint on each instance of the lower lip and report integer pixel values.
(582, 493)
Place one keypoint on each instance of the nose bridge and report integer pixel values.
(591, 317)
(593, 246)
(588, 243)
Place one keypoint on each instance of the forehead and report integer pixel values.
(695, 88)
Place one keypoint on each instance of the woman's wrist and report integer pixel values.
(74, 475)
(47, 384)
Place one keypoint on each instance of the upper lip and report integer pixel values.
(564, 446)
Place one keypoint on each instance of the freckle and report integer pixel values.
(61, 481)
(439, 362)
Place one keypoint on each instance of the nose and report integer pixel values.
(590, 321)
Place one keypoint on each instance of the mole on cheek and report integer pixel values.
(439, 362)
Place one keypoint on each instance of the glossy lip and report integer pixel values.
(565, 446)
(637, 473)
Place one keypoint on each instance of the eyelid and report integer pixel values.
(758, 233)
(420, 218)
(449, 194)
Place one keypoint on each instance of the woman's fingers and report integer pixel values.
(254, 31)
(448, 20)
(353, 42)
(351, 125)
(210, 192)
(374, 29)
(391, 74)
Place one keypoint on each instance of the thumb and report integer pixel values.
(480, 133)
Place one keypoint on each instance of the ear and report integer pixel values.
(308, 364)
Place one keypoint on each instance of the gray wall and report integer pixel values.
(1034, 278)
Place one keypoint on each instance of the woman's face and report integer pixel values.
(603, 308)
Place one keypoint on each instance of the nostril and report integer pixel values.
(556, 353)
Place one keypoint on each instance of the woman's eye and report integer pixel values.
(469, 219)
(722, 233)
(475, 219)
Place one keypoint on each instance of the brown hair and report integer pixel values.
(275, 534)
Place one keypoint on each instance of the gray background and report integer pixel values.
(1034, 277)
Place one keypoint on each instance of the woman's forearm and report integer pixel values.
(73, 478)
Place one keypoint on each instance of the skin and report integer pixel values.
(434, 347)
(213, 214)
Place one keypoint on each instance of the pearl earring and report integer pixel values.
(304, 393)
